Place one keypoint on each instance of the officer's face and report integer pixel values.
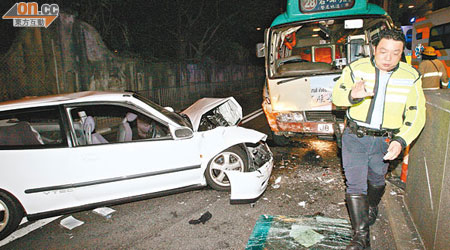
(387, 54)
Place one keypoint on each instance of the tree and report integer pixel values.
(107, 16)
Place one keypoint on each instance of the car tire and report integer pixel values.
(11, 214)
(231, 158)
(280, 140)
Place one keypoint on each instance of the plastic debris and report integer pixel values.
(302, 204)
(70, 222)
(278, 180)
(203, 219)
(393, 193)
(104, 211)
(328, 181)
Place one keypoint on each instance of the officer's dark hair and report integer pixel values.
(390, 34)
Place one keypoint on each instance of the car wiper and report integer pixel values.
(289, 80)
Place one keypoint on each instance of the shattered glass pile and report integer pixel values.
(303, 232)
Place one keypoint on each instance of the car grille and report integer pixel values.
(325, 116)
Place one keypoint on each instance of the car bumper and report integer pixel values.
(247, 187)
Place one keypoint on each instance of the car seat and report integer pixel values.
(20, 134)
(88, 128)
(125, 132)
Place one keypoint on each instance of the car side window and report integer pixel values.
(107, 123)
(31, 128)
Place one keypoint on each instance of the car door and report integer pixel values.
(34, 151)
(111, 165)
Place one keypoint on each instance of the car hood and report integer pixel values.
(226, 108)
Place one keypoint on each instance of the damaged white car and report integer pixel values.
(66, 153)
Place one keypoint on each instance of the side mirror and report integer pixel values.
(183, 133)
(260, 50)
(169, 109)
(353, 24)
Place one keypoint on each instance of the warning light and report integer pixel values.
(412, 20)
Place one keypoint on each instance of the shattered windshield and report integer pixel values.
(321, 47)
(174, 116)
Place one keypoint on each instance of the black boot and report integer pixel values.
(358, 208)
(374, 193)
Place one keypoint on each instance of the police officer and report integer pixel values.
(433, 70)
(386, 113)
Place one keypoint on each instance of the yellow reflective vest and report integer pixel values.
(404, 106)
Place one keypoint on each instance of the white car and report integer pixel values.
(71, 152)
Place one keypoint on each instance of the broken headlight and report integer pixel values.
(290, 117)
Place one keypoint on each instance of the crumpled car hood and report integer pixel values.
(228, 108)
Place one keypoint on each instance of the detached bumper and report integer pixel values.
(247, 187)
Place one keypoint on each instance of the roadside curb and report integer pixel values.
(398, 217)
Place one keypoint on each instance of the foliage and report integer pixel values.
(190, 30)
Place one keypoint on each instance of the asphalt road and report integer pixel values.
(310, 183)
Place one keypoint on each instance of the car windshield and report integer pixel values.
(321, 47)
(174, 116)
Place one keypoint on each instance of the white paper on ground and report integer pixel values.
(103, 211)
(71, 223)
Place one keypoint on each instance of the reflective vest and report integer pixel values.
(433, 72)
(404, 106)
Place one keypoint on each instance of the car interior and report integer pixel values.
(100, 124)
(31, 128)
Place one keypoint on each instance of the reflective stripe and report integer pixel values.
(363, 75)
(399, 90)
(395, 98)
(401, 82)
(432, 74)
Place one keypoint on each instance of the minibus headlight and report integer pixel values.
(290, 117)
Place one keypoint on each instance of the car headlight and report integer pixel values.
(290, 117)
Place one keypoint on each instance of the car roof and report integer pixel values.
(85, 96)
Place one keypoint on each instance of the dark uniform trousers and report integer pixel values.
(362, 159)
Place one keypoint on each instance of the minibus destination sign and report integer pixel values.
(324, 5)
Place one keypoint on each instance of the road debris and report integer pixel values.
(282, 232)
(330, 180)
(277, 183)
(70, 222)
(104, 211)
(203, 219)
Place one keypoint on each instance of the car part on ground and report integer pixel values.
(233, 158)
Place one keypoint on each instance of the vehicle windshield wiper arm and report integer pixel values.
(289, 80)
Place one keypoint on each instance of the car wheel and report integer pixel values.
(280, 140)
(10, 215)
(233, 158)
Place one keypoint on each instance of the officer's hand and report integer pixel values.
(359, 90)
(393, 151)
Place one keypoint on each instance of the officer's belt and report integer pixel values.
(361, 131)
